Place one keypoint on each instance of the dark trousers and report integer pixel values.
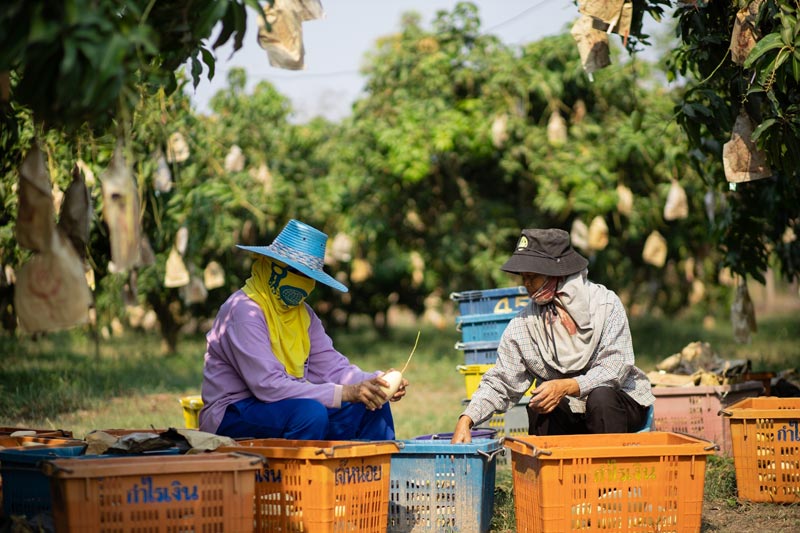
(607, 411)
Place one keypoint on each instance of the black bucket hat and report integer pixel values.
(545, 251)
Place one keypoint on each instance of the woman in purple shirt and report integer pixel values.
(270, 369)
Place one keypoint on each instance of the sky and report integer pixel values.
(335, 46)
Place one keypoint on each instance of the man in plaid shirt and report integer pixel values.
(572, 340)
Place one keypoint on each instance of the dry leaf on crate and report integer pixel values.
(741, 159)
(51, 292)
(598, 234)
(76, 212)
(283, 39)
(624, 200)
(556, 129)
(743, 314)
(177, 149)
(655, 249)
(121, 211)
(176, 274)
(592, 45)
(677, 205)
(36, 215)
(745, 35)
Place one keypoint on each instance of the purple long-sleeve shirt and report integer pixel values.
(239, 364)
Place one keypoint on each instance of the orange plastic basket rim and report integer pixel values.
(763, 407)
(653, 443)
(77, 468)
(7, 442)
(314, 449)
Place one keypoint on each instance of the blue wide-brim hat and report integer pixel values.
(302, 247)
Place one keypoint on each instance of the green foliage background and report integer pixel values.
(431, 201)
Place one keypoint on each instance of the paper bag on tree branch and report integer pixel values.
(36, 215)
(282, 35)
(741, 159)
(76, 212)
(655, 249)
(745, 35)
(592, 44)
(51, 292)
(121, 211)
(677, 205)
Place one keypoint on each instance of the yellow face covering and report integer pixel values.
(280, 294)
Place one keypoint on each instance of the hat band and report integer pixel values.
(311, 261)
(544, 255)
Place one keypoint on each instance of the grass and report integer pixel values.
(64, 381)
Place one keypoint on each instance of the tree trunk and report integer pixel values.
(167, 322)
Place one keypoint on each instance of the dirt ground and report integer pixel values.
(723, 517)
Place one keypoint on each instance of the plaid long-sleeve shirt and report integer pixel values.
(519, 361)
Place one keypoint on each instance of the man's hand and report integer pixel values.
(547, 396)
(368, 392)
(462, 432)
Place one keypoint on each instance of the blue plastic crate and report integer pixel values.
(481, 328)
(479, 353)
(489, 301)
(26, 489)
(437, 486)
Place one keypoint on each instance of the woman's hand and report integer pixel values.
(462, 433)
(368, 392)
(549, 394)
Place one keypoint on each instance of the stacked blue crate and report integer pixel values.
(483, 316)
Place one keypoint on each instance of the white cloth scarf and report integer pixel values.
(586, 303)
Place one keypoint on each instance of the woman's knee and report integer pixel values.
(308, 413)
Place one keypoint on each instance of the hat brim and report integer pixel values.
(569, 264)
(316, 275)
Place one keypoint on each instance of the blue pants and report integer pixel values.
(304, 419)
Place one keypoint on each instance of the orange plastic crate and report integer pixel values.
(321, 486)
(620, 481)
(203, 492)
(7, 431)
(23, 442)
(765, 434)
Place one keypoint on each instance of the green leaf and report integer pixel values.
(764, 126)
(197, 70)
(208, 59)
(769, 42)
